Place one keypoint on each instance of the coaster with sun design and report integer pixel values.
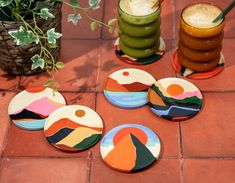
(128, 88)
(30, 108)
(188, 73)
(130, 147)
(140, 61)
(73, 128)
(174, 99)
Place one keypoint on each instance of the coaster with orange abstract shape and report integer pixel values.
(30, 108)
(73, 128)
(174, 99)
(130, 147)
(128, 88)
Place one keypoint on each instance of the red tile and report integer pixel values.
(110, 63)
(114, 116)
(165, 171)
(81, 59)
(8, 82)
(44, 170)
(230, 21)
(5, 99)
(211, 132)
(111, 11)
(82, 30)
(22, 143)
(206, 170)
(223, 81)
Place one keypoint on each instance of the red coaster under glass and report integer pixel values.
(140, 61)
(188, 73)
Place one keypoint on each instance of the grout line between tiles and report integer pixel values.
(1, 167)
(174, 18)
(181, 157)
(89, 166)
(103, 18)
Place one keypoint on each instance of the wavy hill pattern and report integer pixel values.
(113, 85)
(170, 108)
(72, 136)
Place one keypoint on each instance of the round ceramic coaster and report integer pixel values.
(130, 147)
(174, 99)
(30, 108)
(140, 61)
(196, 75)
(73, 128)
(128, 88)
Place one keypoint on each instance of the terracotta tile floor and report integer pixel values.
(200, 150)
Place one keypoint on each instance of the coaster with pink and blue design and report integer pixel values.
(30, 108)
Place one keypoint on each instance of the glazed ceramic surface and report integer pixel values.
(73, 128)
(128, 88)
(140, 61)
(174, 99)
(188, 73)
(30, 108)
(130, 147)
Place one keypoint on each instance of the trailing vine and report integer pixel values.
(27, 12)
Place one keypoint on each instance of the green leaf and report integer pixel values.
(48, 82)
(111, 22)
(45, 14)
(111, 30)
(74, 3)
(52, 46)
(37, 62)
(52, 36)
(4, 3)
(44, 4)
(56, 84)
(94, 25)
(23, 36)
(74, 18)
(94, 4)
(59, 65)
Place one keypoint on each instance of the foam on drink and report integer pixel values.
(201, 15)
(138, 7)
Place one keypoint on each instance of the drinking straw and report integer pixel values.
(157, 3)
(225, 11)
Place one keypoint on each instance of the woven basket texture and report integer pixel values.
(16, 59)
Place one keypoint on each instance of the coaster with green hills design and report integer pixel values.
(73, 128)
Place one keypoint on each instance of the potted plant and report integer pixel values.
(30, 32)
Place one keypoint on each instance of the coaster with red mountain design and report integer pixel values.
(128, 88)
(130, 147)
(73, 128)
(30, 108)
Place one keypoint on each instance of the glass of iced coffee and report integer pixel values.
(200, 40)
(139, 29)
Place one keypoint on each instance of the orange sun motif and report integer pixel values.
(80, 113)
(175, 89)
(35, 89)
(138, 133)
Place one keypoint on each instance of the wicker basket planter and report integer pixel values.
(15, 59)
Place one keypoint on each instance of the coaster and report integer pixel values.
(174, 99)
(196, 75)
(73, 128)
(30, 108)
(128, 88)
(140, 61)
(130, 147)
